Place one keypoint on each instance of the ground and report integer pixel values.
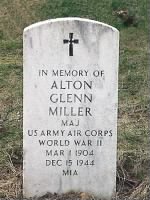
(130, 17)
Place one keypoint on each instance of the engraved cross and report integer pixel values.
(71, 41)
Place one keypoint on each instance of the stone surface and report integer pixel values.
(70, 107)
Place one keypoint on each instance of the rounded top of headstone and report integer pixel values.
(35, 25)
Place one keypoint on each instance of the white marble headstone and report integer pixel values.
(70, 107)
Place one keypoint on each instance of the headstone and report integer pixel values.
(70, 107)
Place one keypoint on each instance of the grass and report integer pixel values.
(133, 85)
